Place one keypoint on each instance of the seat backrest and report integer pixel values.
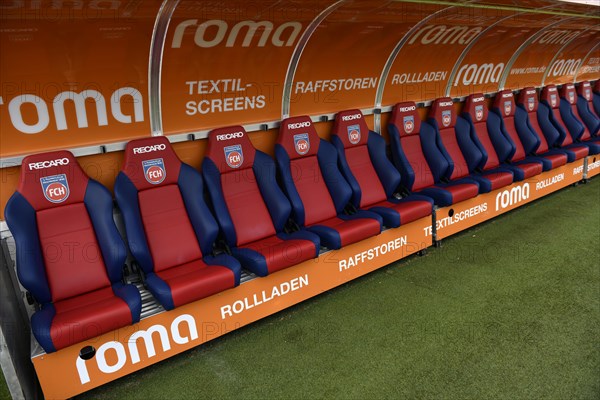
(504, 106)
(586, 98)
(570, 113)
(310, 175)
(475, 112)
(414, 151)
(550, 99)
(363, 159)
(528, 102)
(167, 221)
(62, 222)
(453, 135)
(241, 181)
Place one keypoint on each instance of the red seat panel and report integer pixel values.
(195, 280)
(281, 254)
(88, 315)
(170, 235)
(73, 259)
(352, 231)
(409, 210)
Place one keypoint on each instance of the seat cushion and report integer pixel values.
(576, 151)
(493, 179)
(347, 229)
(274, 253)
(83, 317)
(192, 281)
(396, 212)
(527, 169)
(445, 194)
(554, 159)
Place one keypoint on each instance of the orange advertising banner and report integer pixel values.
(422, 68)
(342, 62)
(225, 65)
(458, 217)
(481, 69)
(73, 73)
(531, 65)
(569, 61)
(64, 374)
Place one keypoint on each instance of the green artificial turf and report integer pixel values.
(507, 310)
(4, 393)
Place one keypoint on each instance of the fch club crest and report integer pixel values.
(446, 118)
(154, 170)
(409, 123)
(507, 107)
(301, 143)
(531, 103)
(354, 134)
(55, 188)
(234, 156)
(571, 97)
(553, 100)
(479, 112)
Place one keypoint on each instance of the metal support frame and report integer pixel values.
(390, 61)
(297, 54)
(157, 47)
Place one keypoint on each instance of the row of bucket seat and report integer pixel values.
(192, 232)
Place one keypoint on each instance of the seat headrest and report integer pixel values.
(230, 149)
(585, 90)
(406, 118)
(528, 99)
(567, 92)
(505, 102)
(298, 136)
(550, 96)
(475, 106)
(151, 162)
(52, 179)
(442, 110)
(350, 126)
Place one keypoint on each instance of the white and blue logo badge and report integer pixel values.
(553, 100)
(531, 103)
(234, 156)
(154, 170)
(409, 123)
(507, 107)
(446, 118)
(571, 97)
(588, 94)
(301, 143)
(55, 188)
(354, 134)
(479, 112)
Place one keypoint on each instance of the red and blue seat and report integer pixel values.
(169, 227)
(70, 256)
(371, 175)
(585, 106)
(422, 166)
(454, 139)
(573, 121)
(552, 124)
(519, 152)
(251, 209)
(526, 121)
(318, 192)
